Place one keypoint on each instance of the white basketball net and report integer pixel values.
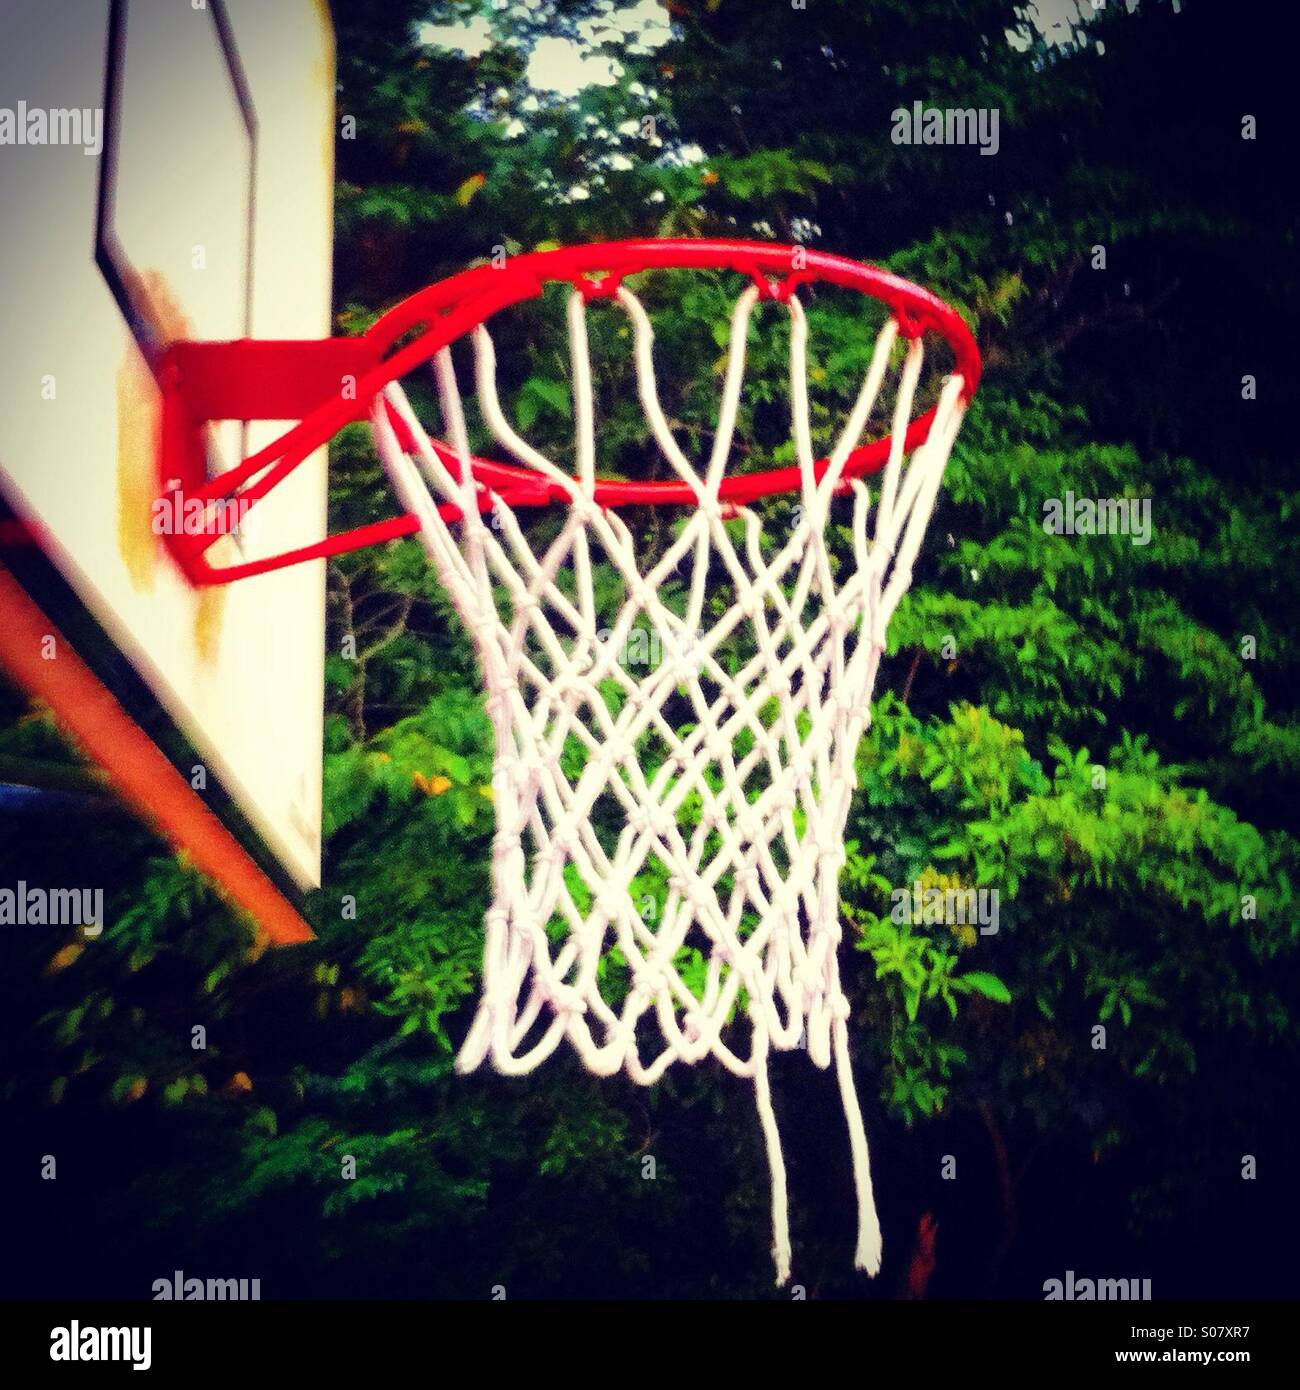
(741, 815)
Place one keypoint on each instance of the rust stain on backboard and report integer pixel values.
(139, 423)
(209, 609)
(138, 419)
(324, 76)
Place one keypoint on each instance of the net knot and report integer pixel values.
(701, 902)
(561, 844)
(784, 797)
(752, 604)
(569, 683)
(683, 670)
(811, 979)
(747, 877)
(653, 821)
(839, 615)
(650, 979)
(786, 903)
(830, 929)
(609, 904)
(500, 690)
(564, 999)
(830, 857)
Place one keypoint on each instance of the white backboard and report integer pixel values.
(197, 204)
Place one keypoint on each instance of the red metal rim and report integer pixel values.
(446, 312)
(776, 269)
(453, 307)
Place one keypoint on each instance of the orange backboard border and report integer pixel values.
(144, 775)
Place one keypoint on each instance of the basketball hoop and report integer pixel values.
(715, 787)
(329, 383)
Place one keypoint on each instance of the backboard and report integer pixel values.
(168, 174)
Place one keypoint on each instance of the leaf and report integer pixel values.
(263, 1121)
(215, 976)
(526, 410)
(128, 1089)
(551, 393)
(981, 982)
(456, 767)
(465, 193)
(430, 786)
(64, 957)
